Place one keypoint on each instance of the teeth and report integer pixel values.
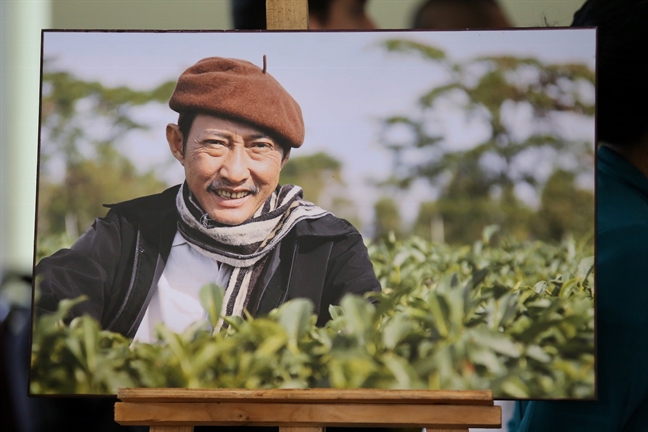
(230, 195)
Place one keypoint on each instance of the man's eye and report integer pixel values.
(262, 145)
(215, 142)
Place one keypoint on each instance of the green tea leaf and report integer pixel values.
(211, 299)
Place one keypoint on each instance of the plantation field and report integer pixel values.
(514, 317)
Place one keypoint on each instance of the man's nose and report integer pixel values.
(235, 167)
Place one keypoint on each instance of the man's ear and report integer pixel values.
(176, 141)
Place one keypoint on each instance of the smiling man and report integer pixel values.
(229, 223)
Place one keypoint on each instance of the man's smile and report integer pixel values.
(230, 194)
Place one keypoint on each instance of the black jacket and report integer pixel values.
(117, 264)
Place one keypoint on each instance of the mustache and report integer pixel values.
(219, 184)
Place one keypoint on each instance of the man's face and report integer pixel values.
(231, 167)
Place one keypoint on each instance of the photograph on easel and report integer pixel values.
(393, 210)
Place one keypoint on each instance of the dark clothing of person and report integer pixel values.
(118, 262)
(622, 313)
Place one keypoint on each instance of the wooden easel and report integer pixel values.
(287, 14)
(179, 410)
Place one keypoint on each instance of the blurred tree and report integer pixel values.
(73, 205)
(77, 113)
(429, 223)
(477, 183)
(320, 176)
(470, 203)
(314, 173)
(462, 219)
(80, 166)
(386, 219)
(564, 209)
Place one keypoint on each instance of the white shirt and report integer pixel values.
(176, 301)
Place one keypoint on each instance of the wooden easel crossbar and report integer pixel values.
(306, 410)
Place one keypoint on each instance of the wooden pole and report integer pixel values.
(287, 14)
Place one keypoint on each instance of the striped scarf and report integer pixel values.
(243, 247)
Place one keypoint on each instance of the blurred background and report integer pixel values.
(20, 52)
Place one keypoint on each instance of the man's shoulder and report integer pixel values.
(144, 206)
(328, 226)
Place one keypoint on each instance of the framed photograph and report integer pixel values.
(384, 209)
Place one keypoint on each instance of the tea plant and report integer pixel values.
(514, 317)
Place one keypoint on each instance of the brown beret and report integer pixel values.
(239, 90)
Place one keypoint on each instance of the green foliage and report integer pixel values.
(514, 317)
(81, 167)
(462, 218)
(387, 218)
(63, 121)
(320, 176)
(564, 209)
(476, 185)
(68, 208)
(312, 173)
